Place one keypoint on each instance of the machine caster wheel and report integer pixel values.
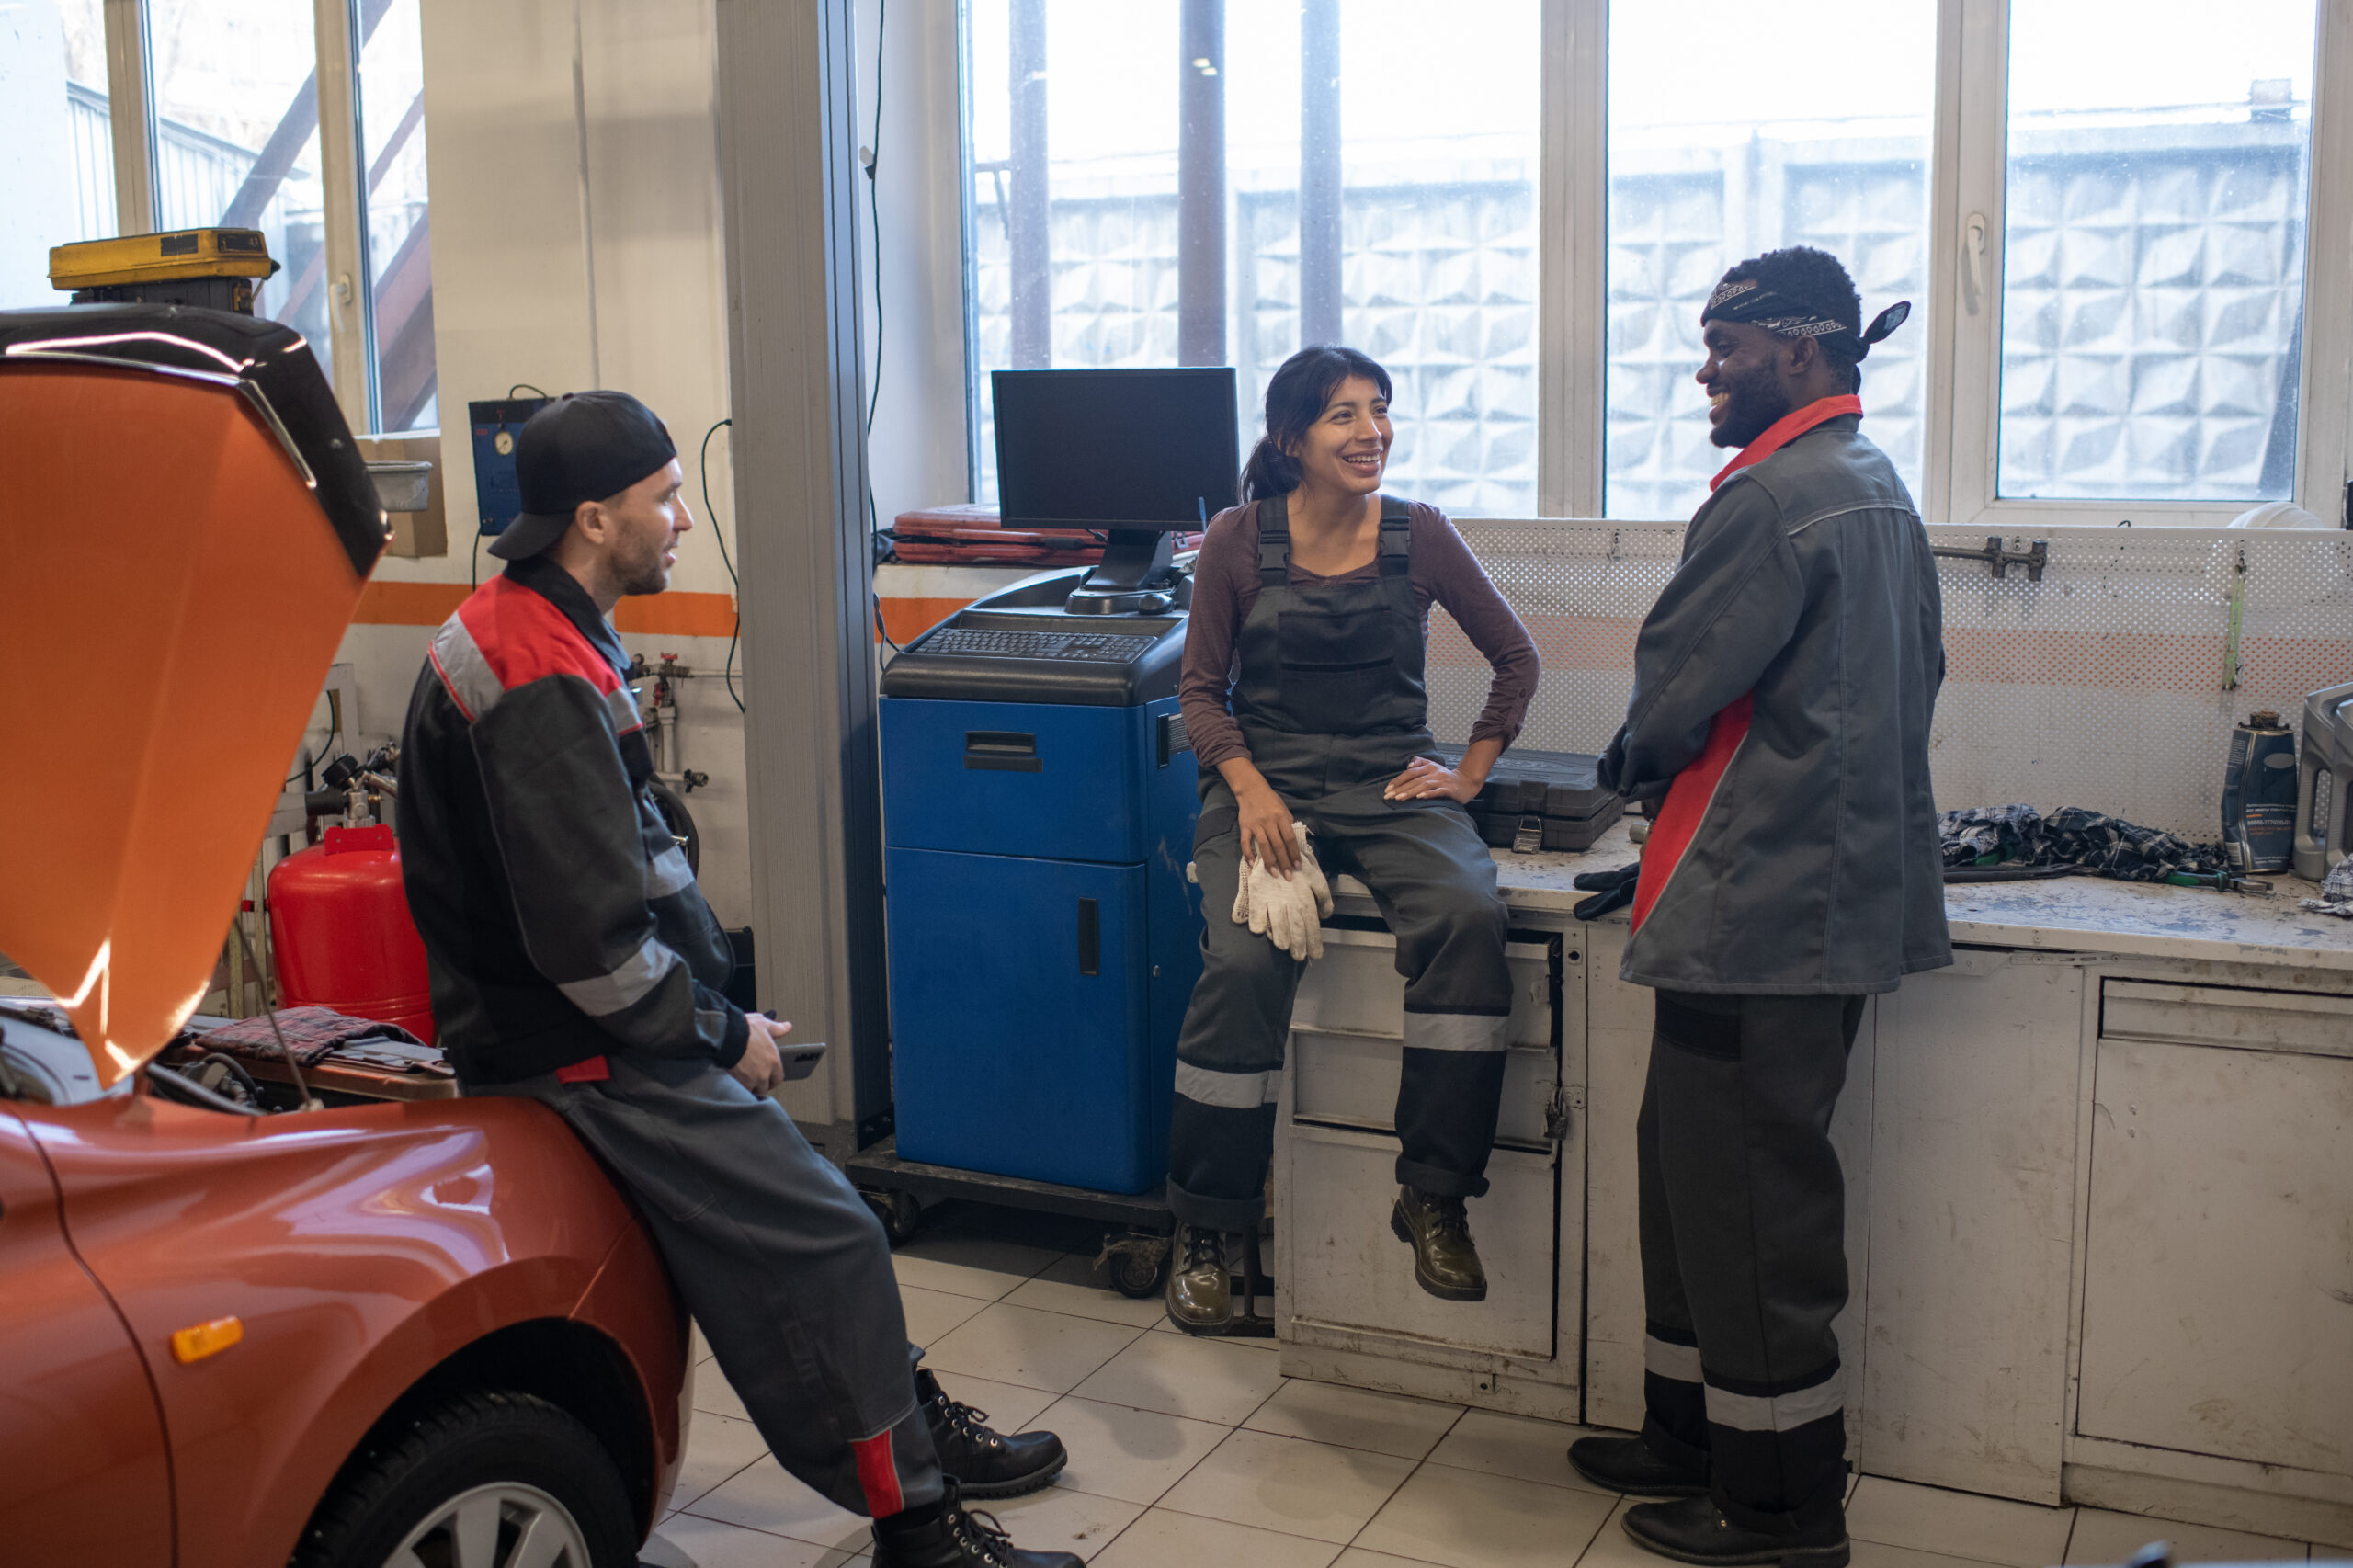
(899, 1212)
(1138, 1266)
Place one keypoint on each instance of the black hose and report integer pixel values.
(174, 1086)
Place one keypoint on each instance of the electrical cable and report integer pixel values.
(874, 228)
(703, 464)
(176, 1087)
(304, 771)
(235, 1068)
(524, 386)
(473, 573)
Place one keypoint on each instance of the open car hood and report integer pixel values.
(186, 527)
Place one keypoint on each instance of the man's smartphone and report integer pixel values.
(800, 1060)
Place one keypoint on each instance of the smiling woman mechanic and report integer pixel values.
(1302, 692)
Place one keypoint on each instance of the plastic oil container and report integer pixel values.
(2259, 795)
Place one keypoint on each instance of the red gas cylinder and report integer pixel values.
(341, 927)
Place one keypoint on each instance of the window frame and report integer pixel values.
(1967, 178)
(350, 299)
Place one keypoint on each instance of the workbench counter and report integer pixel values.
(2095, 1213)
(2069, 915)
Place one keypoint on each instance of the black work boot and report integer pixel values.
(1445, 1263)
(955, 1537)
(985, 1463)
(1632, 1465)
(1200, 1281)
(1693, 1530)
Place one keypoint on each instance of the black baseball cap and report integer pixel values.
(582, 446)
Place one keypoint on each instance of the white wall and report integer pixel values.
(36, 153)
(513, 253)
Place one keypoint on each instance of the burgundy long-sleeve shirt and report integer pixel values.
(1225, 584)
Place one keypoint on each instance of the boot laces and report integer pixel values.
(966, 1422)
(988, 1539)
(1451, 1215)
(1203, 1245)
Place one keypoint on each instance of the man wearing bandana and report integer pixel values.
(1783, 689)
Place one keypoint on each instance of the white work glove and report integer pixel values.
(1287, 912)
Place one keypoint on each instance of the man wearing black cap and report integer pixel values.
(574, 960)
(1783, 689)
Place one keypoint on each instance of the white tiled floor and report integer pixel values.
(1191, 1451)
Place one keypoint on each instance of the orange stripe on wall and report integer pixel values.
(906, 619)
(676, 614)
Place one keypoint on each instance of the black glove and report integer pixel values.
(1614, 890)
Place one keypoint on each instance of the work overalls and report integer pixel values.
(1331, 703)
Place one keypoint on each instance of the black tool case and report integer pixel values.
(1542, 799)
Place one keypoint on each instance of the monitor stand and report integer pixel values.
(1134, 578)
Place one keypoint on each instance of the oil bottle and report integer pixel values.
(2259, 796)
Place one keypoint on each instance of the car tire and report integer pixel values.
(490, 1470)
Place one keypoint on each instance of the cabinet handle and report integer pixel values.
(1001, 751)
(1090, 937)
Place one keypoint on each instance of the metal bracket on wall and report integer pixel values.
(2034, 557)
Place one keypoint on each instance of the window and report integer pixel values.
(2104, 212)
(236, 134)
(1727, 139)
(1207, 183)
(61, 149)
(2154, 250)
(230, 106)
(400, 247)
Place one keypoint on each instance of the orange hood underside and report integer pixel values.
(174, 585)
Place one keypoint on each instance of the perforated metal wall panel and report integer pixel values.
(2105, 684)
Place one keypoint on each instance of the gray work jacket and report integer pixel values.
(1805, 579)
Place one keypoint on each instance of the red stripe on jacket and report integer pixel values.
(524, 636)
(1694, 790)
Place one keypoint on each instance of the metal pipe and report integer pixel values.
(1028, 239)
(1319, 174)
(1201, 183)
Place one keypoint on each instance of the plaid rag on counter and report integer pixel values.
(2001, 835)
(315, 1033)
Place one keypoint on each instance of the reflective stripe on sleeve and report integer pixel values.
(605, 994)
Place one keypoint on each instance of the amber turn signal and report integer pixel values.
(196, 1341)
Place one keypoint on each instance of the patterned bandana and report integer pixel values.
(1749, 301)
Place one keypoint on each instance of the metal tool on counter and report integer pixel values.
(2324, 783)
(2221, 881)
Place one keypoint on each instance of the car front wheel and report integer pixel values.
(488, 1480)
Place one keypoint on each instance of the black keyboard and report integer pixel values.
(1078, 647)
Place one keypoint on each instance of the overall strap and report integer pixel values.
(1274, 543)
(1396, 537)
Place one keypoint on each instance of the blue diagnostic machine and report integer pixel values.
(1039, 796)
(495, 424)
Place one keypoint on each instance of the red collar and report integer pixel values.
(1787, 428)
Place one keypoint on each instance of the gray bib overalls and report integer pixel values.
(1331, 704)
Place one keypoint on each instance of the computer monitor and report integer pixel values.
(1126, 450)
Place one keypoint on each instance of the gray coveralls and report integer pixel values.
(1331, 703)
(780, 1262)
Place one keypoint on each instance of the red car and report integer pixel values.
(399, 1334)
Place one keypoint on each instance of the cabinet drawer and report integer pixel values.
(2226, 1016)
(1347, 1268)
(1354, 988)
(1352, 1079)
(2218, 1279)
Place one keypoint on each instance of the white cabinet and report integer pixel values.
(2218, 1286)
(1349, 1272)
(1347, 1305)
(1972, 1223)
